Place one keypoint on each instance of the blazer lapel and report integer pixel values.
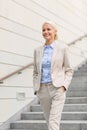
(40, 54)
(55, 52)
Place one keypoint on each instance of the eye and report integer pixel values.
(43, 30)
(48, 29)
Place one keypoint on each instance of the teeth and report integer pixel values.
(47, 35)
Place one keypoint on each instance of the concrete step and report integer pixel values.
(80, 74)
(78, 93)
(78, 86)
(20, 129)
(67, 107)
(80, 69)
(83, 67)
(41, 125)
(65, 116)
(79, 79)
(76, 100)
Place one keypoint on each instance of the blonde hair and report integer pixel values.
(54, 26)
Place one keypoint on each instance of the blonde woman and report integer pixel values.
(52, 75)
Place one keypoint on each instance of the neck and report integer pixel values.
(49, 42)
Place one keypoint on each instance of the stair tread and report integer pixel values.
(62, 121)
(64, 104)
(75, 97)
(73, 112)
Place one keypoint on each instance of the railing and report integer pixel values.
(73, 42)
(17, 71)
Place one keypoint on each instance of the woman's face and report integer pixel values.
(48, 32)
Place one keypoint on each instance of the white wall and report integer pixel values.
(21, 21)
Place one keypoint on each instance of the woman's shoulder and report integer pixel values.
(61, 45)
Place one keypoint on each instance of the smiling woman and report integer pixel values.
(51, 78)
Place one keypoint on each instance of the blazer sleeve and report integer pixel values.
(68, 68)
(35, 72)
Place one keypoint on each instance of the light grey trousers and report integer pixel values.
(52, 100)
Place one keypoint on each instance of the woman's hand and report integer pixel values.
(35, 93)
(63, 88)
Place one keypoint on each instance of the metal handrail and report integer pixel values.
(78, 39)
(17, 71)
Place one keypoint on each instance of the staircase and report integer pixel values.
(74, 115)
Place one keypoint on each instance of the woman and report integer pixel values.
(52, 75)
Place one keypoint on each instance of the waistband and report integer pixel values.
(46, 84)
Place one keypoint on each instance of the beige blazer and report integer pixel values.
(61, 70)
